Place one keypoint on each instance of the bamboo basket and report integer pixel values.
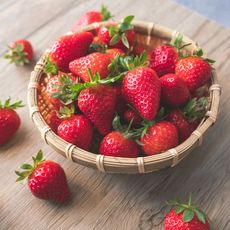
(149, 35)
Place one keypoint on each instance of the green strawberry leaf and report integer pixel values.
(26, 166)
(39, 156)
(200, 215)
(128, 19)
(114, 40)
(188, 215)
(179, 209)
(50, 67)
(106, 15)
(210, 61)
(125, 40)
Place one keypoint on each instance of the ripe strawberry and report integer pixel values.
(96, 62)
(91, 17)
(121, 104)
(9, 120)
(54, 121)
(195, 71)
(138, 50)
(185, 216)
(78, 130)
(69, 47)
(117, 144)
(174, 91)
(20, 52)
(46, 179)
(130, 115)
(119, 36)
(183, 126)
(113, 53)
(98, 103)
(141, 88)
(57, 89)
(159, 138)
(163, 59)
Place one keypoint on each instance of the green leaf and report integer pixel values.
(50, 67)
(210, 61)
(179, 209)
(125, 40)
(39, 156)
(114, 40)
(55, 95)
(128, 19)
(188, 215)
(117, 123)
(105, 13)
(199, 52)
(26, 166)
(20, 179)
(113, 30)
(200, 215)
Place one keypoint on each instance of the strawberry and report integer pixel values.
(185, 216)
(78, 130)
(138, 50)
(91, 17)
(54, 121)
(141, 88)
(119, 36)
(57, 89)
(121, 104)
(20, 52)
(113, 53)
(9, 120)
(187, 118)
(96, 62)
(174, 91)
(69, 47)
(163, 59)
(131, 115)
(119, 143)
(195, 72)
(159, 137)
(98, 103)
(183, 126)
(46, 179)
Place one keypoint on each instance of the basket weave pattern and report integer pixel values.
(149, 35)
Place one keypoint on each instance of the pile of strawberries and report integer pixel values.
(103, 86)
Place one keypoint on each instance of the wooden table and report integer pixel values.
(102, 201)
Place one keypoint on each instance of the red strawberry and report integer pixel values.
(56, 87)
(69, 47)
(46, 179)
(20, 52)
(9, 120)
(174, 91)
(98, 103)
(119, 36)
(163, 59)
(195, 71)
(113, 53)
(141, 88)
(91, 17)
(183, 126)
(159, 138)
(185, 216)
(117, 144)
(54, 121)
(78, 130)
(96, 62)
(121, 104)
(130, 115)
(138, 50)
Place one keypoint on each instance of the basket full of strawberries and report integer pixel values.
(126, 97)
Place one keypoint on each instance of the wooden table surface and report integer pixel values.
(103, 201)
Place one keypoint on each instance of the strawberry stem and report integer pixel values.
(8, 105)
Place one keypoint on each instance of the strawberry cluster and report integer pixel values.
(103, 86)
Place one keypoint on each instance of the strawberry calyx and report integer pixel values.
(195, 109)
(66, 112)
(17, 55)
(50, 67)
(96, 47)
(106, 15)
(8, 105)
(117, 33)
(199, 53)
(28, 169)
(188, 210)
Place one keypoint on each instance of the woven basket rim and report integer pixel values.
(103, 163)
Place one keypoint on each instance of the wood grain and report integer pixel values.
(106, 201)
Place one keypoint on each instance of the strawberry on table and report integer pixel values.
(96, 62)
(159, 137)
(121, 36)
(185, 216)
(69, 47)
(75, 129)
(20, 52)
(91, 17)
(9, 120)
(119, 143)
(195, 72)
(174, 91)
(46, 179)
